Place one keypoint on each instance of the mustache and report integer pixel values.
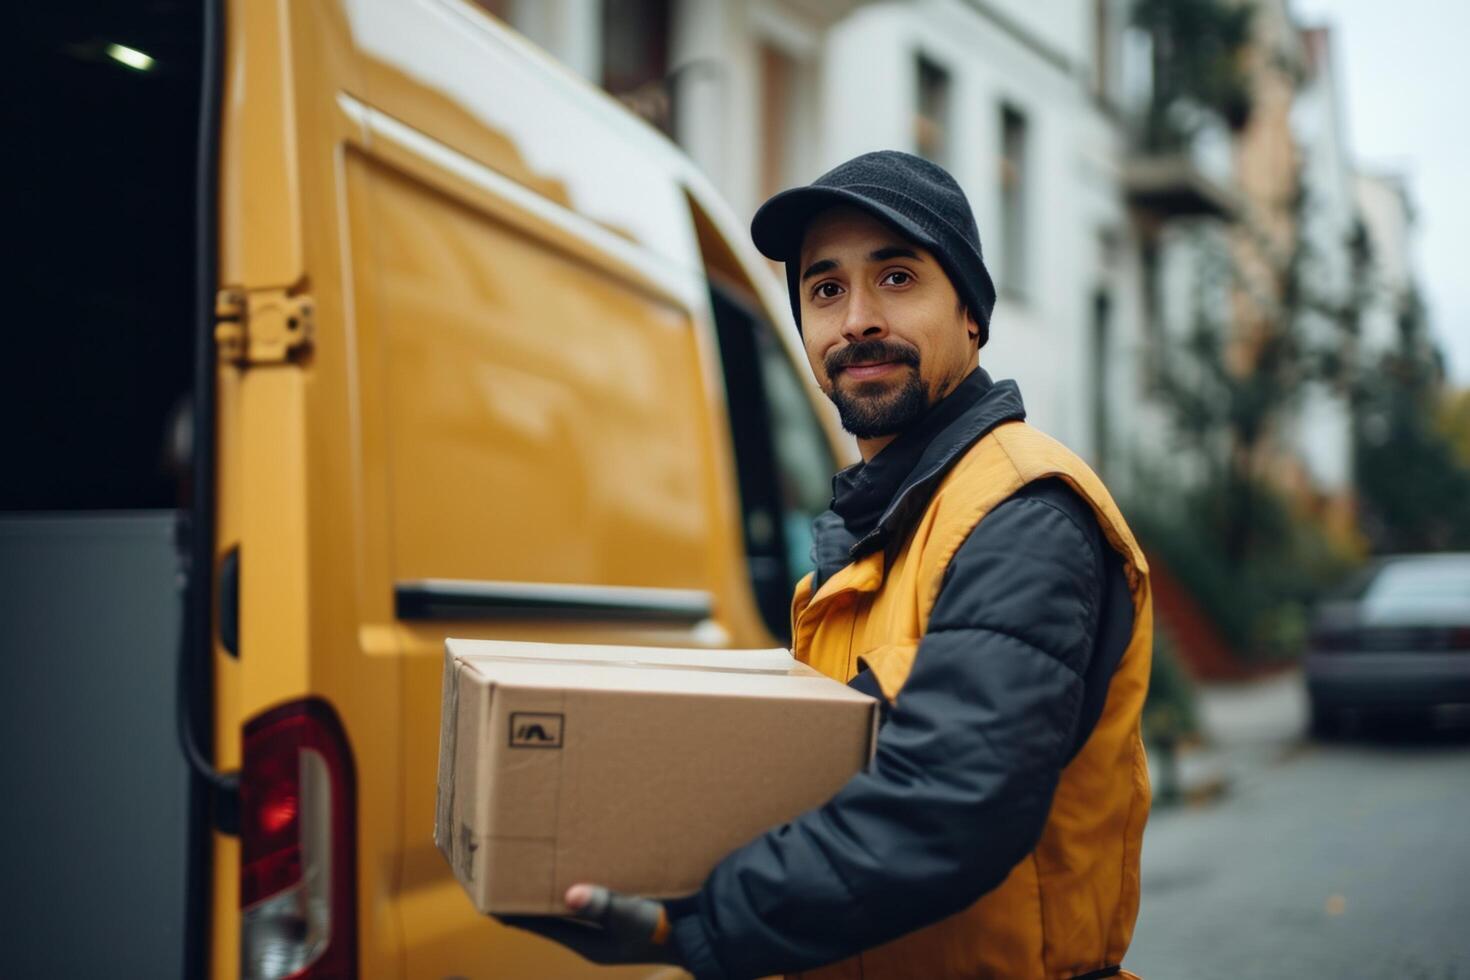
(869, 351)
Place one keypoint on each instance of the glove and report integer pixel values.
(607, 928)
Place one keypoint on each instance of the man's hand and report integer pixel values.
(606, 928)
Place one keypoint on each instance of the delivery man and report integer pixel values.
(978, 577)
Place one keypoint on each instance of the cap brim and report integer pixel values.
(780, 225)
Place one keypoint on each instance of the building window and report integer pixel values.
(931, 121)
(1101, 42)
(1014, 191)
(1153, 314)
(635, 57)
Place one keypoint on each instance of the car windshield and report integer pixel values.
(1439, 578)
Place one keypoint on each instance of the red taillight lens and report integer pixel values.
(298, 894)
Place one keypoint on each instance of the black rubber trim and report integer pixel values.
(228, 608)
(195, 681)
(451, 600)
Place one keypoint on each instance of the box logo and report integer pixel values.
(535, 731)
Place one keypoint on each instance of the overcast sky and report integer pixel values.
(1404, 68)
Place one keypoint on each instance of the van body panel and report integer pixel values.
(501, 349)
(260, 188)
(545, 387)
(461, 78)
(544, 422)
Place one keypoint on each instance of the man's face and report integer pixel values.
(883, 326)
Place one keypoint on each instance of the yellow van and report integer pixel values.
(474, 352)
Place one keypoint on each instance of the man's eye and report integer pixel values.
(827, 290)
(898, 278)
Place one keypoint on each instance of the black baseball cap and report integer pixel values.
(918, 198)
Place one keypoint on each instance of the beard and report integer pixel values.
(870, 409)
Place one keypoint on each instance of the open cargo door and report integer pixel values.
(306, 669)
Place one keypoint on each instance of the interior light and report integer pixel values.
(131, 57)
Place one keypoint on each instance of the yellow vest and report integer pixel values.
(1068, 908)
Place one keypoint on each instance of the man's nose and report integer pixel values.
(864, 320)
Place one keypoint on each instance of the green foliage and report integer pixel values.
(1258, 598)
(1198, 67)
(1454, 422)
(1413, 478)
(1253, 563)
(1169, 715)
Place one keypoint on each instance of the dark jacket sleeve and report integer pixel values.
(966, 764)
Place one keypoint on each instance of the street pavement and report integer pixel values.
(1346, 859)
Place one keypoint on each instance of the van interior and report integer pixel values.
(96, 380)
(94, 388)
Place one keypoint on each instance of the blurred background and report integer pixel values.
(1228, 241)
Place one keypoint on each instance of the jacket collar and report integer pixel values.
(875, 503)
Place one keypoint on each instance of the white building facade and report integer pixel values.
(1388, 217)
(1102, 257)
(1330, 228)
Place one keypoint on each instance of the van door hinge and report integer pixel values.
(262, 326)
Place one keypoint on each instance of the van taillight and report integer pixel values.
(298, 894)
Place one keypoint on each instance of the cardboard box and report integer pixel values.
(633, 767)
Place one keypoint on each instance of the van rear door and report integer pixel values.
(308, 689)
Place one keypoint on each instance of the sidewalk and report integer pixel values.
(1246, 726)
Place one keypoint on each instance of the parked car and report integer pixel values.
(1401, 642)
(467, 348)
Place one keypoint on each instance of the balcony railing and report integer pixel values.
(1180, 162)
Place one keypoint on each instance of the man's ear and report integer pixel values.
(972, 327)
